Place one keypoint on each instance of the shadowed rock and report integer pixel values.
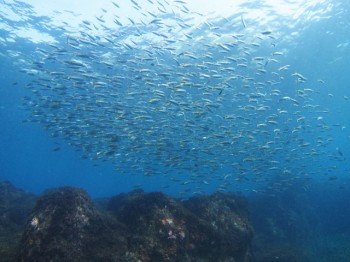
(15, 206)
(65, 226)
(208, 228)
(222, 231)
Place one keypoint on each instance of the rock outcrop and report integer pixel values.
(66, 226)
(15, 207)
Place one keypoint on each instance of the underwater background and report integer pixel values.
(187, 98)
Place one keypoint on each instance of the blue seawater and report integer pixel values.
(181, 97)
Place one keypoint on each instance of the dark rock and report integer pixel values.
(15, 206)
(157, 226)
(282, 252)
(65, 226)
(213, 228)
(284, 222)
(222, 231)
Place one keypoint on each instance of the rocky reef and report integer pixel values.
(285, 225)
(66, 225)
(15, 207)
(207, 228)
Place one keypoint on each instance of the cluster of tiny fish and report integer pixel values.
(209, 103)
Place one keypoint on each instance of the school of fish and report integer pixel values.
(205, 104)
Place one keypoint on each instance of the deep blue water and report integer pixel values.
(318, 48)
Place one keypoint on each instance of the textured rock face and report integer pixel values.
(285, 223)
(225, 234)
(138, 226)
(15, 206)
(213, 228)
(65, 226)
(158, 226)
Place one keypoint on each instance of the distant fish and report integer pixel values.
(115, 4)
(243, 22)
(339, 152)
(267, 32)
(332, 178)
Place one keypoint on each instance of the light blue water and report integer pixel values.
(317, 48)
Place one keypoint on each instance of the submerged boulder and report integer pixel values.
(207, 228)
(284, 223)
(15, 206)
(222, 231)
(157, 226)
(66, 226)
